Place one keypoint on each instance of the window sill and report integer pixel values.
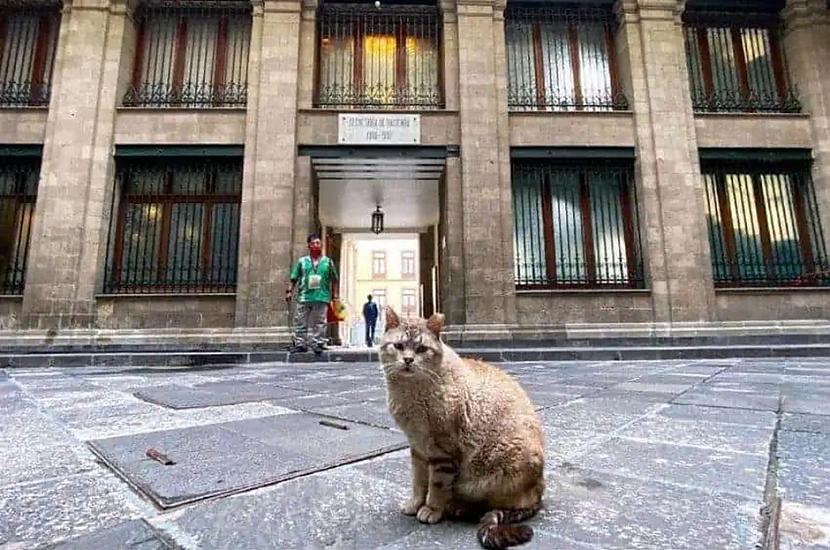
(572, 291)
(380, 111)
(142, 108)
(167, 295)
(770, 289)
(24, 107)
(744, 114)
(571, 112)
(11, 296)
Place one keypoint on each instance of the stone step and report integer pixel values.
(501, 354)
(265, 348)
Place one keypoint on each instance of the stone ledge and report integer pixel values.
(495, 355)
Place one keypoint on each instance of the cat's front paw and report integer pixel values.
(429, 515)
(411, 506)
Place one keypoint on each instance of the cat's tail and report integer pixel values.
(498, 529)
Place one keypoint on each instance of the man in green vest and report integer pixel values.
(316, 277)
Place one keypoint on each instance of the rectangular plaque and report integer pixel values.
(378, 129)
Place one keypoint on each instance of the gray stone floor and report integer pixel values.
(666, 454)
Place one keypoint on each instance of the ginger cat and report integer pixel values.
(475, 441)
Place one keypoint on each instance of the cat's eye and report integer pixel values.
(399, 346)
(421, 349)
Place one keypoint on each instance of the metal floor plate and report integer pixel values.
(232, 457)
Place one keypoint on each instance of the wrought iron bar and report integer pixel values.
(764, 227)
(736, 63)
(28, 40)
(191, 54)
(387, 58)
(561, 58)
(575, 226)
(175, 226)
(18, 190)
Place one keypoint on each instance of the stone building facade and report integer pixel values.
(636, 161)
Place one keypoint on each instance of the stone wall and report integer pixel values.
(85, 121)
(150, 312)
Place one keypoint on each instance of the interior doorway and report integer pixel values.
(399, 264)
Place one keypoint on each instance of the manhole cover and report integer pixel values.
(237, 456)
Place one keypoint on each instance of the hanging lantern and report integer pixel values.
(377, 221)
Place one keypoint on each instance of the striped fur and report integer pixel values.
(498, 529)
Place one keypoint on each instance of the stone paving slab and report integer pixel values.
(742, 417)
(700, 433)
(613, 512)
(729, 399)
(603, 415)
(131, 535)
(804, 467)
(720, 471)
(213, 394)
(340, 509)
(231, 457)
(60, 508)
(797, 422)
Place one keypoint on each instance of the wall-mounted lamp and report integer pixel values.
(377, 221)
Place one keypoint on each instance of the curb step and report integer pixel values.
(497, 355)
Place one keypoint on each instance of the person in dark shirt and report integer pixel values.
(370, 314)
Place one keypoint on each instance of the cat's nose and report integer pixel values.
(408, 360)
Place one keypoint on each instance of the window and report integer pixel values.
(736, 62)
(575, 225)
(561, 58)
(379, 296)
(28, 39)
(408, 264)
(379, 58)
(191, 54)
(176, 225)
(763, 225)
(409, 302)
(378, 264)
(18, 189)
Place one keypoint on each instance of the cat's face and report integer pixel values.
(411, 348)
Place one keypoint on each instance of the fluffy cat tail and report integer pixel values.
(498, 530)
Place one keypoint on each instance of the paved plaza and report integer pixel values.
(731, 454)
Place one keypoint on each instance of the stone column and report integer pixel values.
(489, 291)
(76, 184)
(267, 217)
(669, 185)
(807, 46)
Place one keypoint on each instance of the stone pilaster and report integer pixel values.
(267, 213)
(670, 190)
(489, 292)
(807, 46)
(76, 184)
(451, 244)
(308, 52)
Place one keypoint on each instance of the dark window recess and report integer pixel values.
(18, 190)
(562, 58)
(28, 39)
(191, 54)
(175, 225)
(575, 225)
(370, 58)
(736, 63)
(764, 227)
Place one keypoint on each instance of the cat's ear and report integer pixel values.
(436, 323)
(392, 319)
